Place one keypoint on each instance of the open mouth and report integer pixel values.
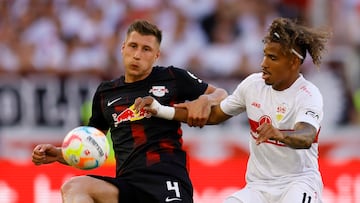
(265, 75)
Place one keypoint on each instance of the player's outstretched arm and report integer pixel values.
(178, 113)
(46, 154)
(195, 113)
(199, 110)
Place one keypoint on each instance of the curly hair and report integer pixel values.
(298, 39)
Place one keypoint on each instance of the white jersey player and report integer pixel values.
(284, 112)
(276, 172)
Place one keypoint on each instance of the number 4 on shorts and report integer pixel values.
(173, 186)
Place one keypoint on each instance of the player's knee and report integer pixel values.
(72, 186)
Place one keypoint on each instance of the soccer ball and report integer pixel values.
(85, 148)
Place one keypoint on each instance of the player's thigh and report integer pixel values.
(302, 193)
(246, 195)
(99, 190)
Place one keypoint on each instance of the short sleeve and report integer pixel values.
(190, 87)
(310, 108)
(235, 103)
(97, 119)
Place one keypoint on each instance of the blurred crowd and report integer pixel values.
(219, 40)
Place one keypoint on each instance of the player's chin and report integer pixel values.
(268, 82)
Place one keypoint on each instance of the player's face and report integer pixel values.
(279, 70)
(139, 54)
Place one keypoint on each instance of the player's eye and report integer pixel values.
(271, 57)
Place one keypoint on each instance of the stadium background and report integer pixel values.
(53, 54)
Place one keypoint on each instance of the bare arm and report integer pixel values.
(216, 115)
(194, 113)
(198, 110)
(47, 153)
(301, 137)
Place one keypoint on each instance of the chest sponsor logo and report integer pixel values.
(129, 114)
(256, 105)
(158, 91)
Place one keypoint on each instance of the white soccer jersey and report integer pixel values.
(272, 165)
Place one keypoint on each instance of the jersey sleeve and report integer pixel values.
(235, 103)
(310, 108)
(97, 118)
(190, 87)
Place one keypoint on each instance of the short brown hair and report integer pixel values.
(145, 28)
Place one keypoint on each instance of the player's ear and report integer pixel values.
(157, 55)
(295, 60)
(122, 47)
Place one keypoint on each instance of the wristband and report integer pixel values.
(165, 112)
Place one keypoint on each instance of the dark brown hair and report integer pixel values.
(144, 27)
(298, 37)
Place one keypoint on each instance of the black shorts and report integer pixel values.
(152, 187)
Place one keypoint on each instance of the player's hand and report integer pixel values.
(198, 111)
(266, 131)
(45, 154)
(144, 103)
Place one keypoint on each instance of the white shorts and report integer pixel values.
(296, 192)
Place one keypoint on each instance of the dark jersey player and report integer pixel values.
(151, 165)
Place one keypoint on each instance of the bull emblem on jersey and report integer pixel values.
(129, 114)
(158, 91)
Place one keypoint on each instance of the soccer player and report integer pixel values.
(284, 112)
(151, 165)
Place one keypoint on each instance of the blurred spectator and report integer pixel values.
(183, 39)
(9, 59)
(216, 39)
(331, 79)
(222, 55)
(195, 10)
(72, 17)
(352, 9)
(253, 20)
(292, 8)
(43, 34)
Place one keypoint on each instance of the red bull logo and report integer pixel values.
(129, 114)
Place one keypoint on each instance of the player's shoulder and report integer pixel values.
(306, 87)
(110, 84)
(168, 72)
(254, 78)
(251, 83)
